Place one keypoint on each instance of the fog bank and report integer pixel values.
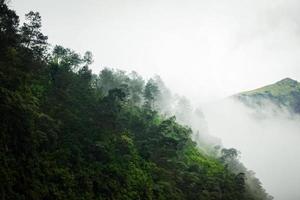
(269, 144)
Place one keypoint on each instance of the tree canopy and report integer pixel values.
(69, 134)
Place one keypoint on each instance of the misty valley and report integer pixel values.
(70, 132)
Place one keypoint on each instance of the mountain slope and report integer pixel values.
(69, 134)
(284, 93)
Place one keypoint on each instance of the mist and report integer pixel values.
(213, 48)
(266, 135)
(204, 50)
(269, 143)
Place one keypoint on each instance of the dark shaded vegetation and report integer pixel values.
(69, 134)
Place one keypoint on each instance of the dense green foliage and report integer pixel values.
(69, 134)
(282, 93)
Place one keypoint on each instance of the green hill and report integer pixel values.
(283, 93)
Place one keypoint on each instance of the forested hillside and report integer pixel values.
(69, 134)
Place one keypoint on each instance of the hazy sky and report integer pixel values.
(201, 49)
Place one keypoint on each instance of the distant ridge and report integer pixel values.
(283, 86)
(285, 92)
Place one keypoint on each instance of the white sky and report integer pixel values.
(201, 49)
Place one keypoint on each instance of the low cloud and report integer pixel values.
(269, 143)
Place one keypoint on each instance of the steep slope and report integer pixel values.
(284, 93)
(69, 134)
